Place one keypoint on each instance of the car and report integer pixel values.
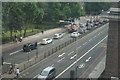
(58, 35)
(29, 46)
(75, 34)
(46, 41)
(82, 30)
(47, 73)
(89, 27)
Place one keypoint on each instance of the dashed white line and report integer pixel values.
(90, 40)
(85, 43)
(71, 53)
(15, 52)
(73, 56)
(61, 55)
(78, 47)
(52, 65)
(99, 34)
(80, 58)
(61, 59)
(36, 76)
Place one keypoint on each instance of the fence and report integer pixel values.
(35, 59)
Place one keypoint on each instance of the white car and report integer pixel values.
(58, 35)
(75, 34)
(46, 41)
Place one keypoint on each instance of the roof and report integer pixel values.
(49, 68)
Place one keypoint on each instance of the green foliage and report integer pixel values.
(96, 7)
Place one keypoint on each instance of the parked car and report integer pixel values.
(46, 41)
(75, 34)
(58, 35)
(47, 73)
(29, 46)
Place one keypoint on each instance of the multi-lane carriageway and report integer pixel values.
(82, 53)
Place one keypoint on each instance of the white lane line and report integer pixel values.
(36, 76)
(52, 65)
(53, 43)
(41, 47)
(15, 52)
(90, 40)
(85, 43)
(80, 58)
(78, 47)
(8, 63)
(27, 73)
(94, 37)
(88, 59)
(71, 53)
(99, 34)
(61, 59)
(73, 56)
(61, 55)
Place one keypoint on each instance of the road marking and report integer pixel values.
(24, 74)
(61, 55)
(52, 65)
(36, 76)
(80, 58)
(90, 40)
(73, 56)
(85, 43)
(82, 65)
(15, 52)
(99, 34)
(41, 47)
(71, 53)
(88, 59)
(78, 48)
(61, 59)
(94, 37)
(27, 73)
(8, 63)
(53, 43)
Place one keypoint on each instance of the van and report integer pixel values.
(47, 73)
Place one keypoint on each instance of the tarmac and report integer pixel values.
(33, 38)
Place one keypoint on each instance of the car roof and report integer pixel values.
(45, 38)
(49, 68)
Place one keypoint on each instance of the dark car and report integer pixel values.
(29, 46)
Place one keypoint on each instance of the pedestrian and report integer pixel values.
(16, 40)
(42, 32)
(11, 69)
(17, 72)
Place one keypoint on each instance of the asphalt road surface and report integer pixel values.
(17, 56)
(81, 53)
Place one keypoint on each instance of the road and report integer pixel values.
(17, 56)
(83, 52)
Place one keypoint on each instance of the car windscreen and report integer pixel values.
(44, 73)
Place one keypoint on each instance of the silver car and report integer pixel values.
(47, 73)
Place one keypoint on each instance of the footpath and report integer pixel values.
(33, 38)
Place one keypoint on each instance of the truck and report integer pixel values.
(72, 27)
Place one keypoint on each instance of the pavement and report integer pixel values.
(12, 45)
